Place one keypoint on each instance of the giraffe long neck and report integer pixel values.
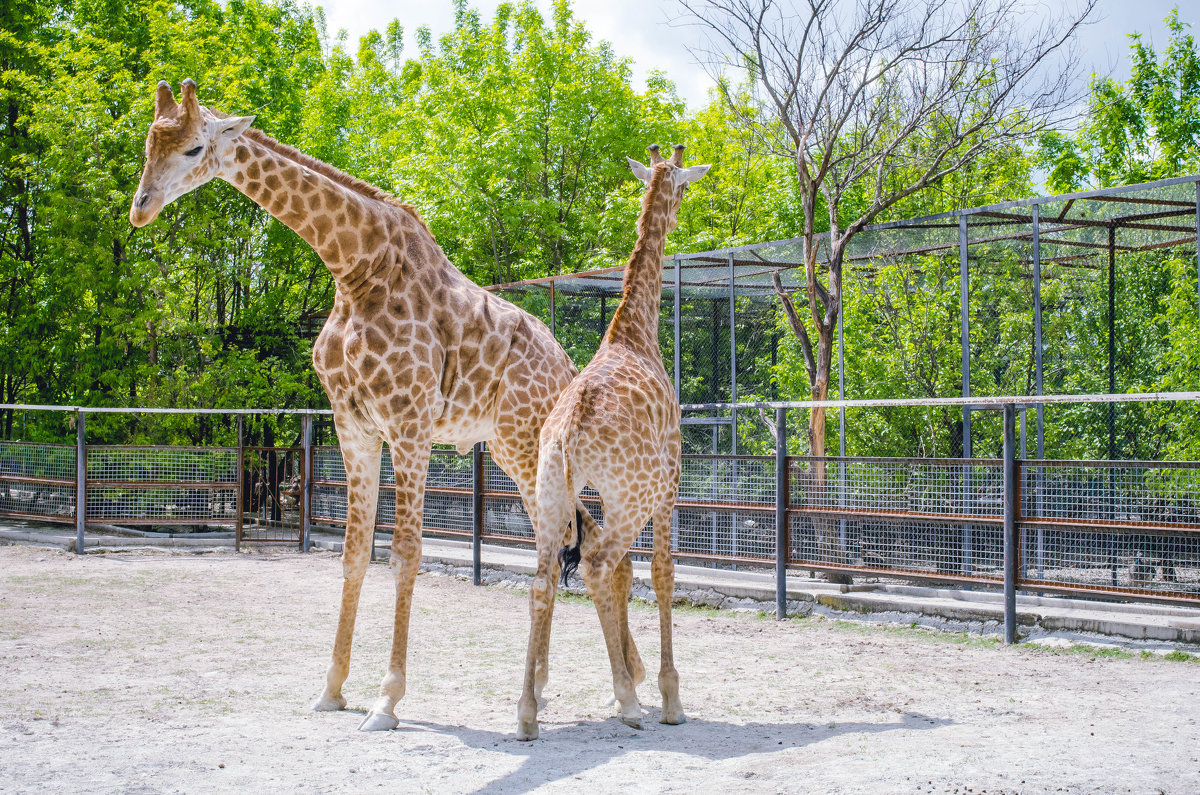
(636, 319)
(346, 228)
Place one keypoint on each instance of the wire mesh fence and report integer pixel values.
(37, 481)
(1119, 527)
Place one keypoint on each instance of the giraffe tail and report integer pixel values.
(570, 555)
(557, 496)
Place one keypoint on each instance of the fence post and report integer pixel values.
(80, 478)
(782, 497)
(1012, 506)
(241, 485)
(476, 511)
(306, 479)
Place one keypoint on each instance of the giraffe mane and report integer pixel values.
(656, 182)
(340, 177)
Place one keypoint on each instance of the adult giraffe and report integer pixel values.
(616, 427)
(413, 352)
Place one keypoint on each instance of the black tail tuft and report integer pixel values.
(570, 556)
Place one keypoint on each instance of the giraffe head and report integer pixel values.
(186, 147)
(675, 177)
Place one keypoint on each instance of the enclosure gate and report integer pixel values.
(272, 506)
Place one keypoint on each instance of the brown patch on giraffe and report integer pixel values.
(376, 342)
(323, 226)
(272, 182)
(254, 171)
(348, 240)
(373, 236)
(420, 304)
(241, 154)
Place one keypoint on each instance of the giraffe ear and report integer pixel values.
(692, 173)
(187, 100)
(233, 126)
(164, 101)
(639, 171)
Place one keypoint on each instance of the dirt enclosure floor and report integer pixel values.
(156, 672)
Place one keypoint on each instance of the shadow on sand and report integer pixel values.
(594, 743)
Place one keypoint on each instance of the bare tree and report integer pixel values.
(875, 100)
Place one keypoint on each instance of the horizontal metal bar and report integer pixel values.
(131, 410)
(41, 517)
(212, 520)
(210, 485)
(975, 402)
(162, 448)
(921, 516)
(38, 444)
(949, 462)
(739, 507)
(36, 481)
(1130, 463)
(989, 403)
(767, 459)
(1111, 526)
(706, 421)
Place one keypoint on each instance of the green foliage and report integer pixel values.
(510, 135)
(1144, 129)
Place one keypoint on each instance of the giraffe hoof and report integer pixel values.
(673, 718)
(326, 704)
(378, 722)
(632, 721)
(527, 730)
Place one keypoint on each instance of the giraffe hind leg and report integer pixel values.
(622, 587)
(663, 571)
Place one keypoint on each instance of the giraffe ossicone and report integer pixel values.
(616, 428)
(413, 352)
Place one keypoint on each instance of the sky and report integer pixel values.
(642, 30)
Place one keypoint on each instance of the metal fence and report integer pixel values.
(1125, 528)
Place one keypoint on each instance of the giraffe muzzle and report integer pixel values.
(144, 208)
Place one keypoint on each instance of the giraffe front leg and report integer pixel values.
(410, 467)
(662, 569)
(361, 460)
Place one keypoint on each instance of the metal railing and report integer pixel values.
(1120, 528)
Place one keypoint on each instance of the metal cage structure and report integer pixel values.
(1082, 293)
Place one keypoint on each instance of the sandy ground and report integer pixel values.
(155, 672)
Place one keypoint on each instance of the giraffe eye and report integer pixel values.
(194, 152)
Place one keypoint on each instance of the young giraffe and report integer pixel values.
(412, 353)
(616, 427)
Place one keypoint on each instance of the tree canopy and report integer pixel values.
(509, 134)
